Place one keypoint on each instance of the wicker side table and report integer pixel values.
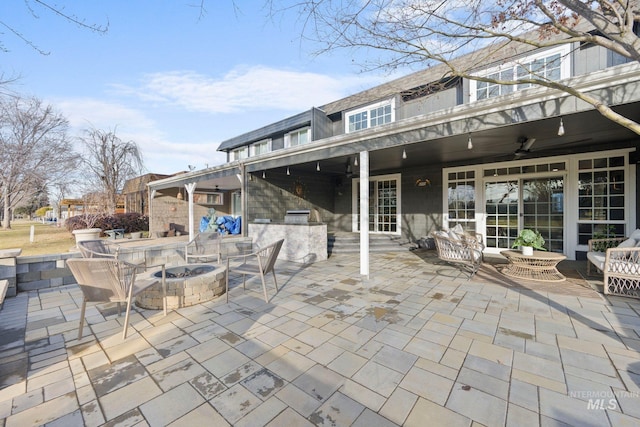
(540, 266)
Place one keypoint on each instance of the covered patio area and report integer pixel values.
(416, 342)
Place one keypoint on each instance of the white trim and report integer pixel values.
(570, 175)
(368, 108)
(239, 153)
(354, 202)
(252, 147)
(287, 137)
(565, 70)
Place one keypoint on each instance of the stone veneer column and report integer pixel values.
(8, 270)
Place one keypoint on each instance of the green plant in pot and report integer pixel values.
(529, 240)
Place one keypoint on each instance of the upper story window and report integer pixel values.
(370, 116)
(238, 154)
(551, 64)
(297, 137)
(260, 147)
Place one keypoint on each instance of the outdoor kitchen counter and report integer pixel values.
(303, 243)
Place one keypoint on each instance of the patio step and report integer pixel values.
(350, 243)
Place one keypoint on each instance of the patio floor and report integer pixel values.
(415, 344)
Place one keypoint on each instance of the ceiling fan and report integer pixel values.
(525, 146)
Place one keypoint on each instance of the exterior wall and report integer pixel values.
(168, 209)
(437, 101)
(271, 197)
(421, 206)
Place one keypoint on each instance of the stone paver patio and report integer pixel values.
(416, 344)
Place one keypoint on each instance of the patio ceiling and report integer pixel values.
(584, 131)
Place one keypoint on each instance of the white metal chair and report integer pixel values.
(109, 280)
(258, 263)
(204, 247)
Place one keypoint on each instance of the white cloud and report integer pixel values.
(246, 88)
(161, 154)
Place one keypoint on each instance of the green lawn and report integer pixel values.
(48, 239)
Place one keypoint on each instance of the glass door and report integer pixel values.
(383, 205)
(534, 203)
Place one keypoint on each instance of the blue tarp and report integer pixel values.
(222, 224)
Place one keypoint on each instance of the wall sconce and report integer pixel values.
(561, 128)
(423, 182)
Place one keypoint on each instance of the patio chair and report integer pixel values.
(101, 249)
(105, 280)
(98, 249)
(258, 263)
(205, 247)
(459, 249)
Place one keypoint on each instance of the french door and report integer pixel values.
(384, 204)
(514, 204)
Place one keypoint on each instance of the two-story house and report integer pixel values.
(437, 152)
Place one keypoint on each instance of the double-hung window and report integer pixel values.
(260, 147)
(238, 154)
(297, 137)
(552, 64)
(370, 116)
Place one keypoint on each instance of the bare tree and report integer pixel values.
(35, 8)
(431, 32)
(109, 163)
(35, 149)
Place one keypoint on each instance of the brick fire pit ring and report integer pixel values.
(187, 285)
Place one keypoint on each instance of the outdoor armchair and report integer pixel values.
(204, 247)
(105, 280)
(258, 263)
(101, 249)
(619, 261)
(459, 248)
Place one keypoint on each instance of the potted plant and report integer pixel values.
(529, 240)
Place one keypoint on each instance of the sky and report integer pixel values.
(174, 80)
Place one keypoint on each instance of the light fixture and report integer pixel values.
(288, 173)
(318, 166)
(355, 162)
(495, 173)
(469, 143)
(264, 175)
(404, 153)
(179, 196)
(561, 128)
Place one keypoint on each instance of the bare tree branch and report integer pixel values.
(466, 35)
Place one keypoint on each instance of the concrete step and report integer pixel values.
(350, 243)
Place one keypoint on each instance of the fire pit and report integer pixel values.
(187, 285)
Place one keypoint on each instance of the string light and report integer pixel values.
(561, 128)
